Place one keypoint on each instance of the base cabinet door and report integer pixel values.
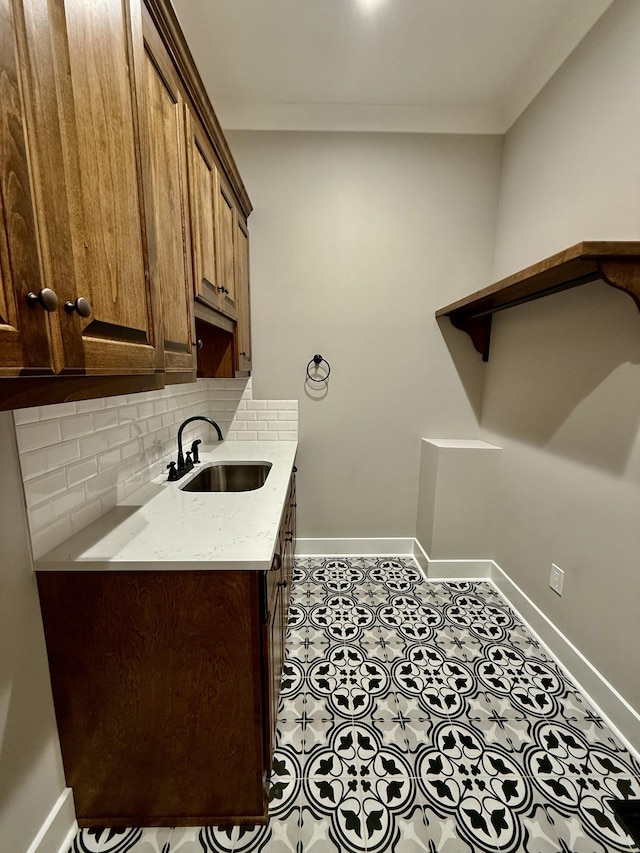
(158, 688)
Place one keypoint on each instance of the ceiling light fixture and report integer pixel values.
(368, 7)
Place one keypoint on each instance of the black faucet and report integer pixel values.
(182, 466)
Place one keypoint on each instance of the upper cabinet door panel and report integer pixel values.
(24, 339)
(243, 331)
(226, 231)
(203, 176)
(170, 257)
(103, 170)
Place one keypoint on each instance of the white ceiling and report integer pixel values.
(457, 66)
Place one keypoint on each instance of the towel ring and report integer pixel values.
(318, 360)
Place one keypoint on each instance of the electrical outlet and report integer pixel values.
(556, 581)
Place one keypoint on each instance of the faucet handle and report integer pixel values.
(188, 463)
(173, 474)
(195, 453)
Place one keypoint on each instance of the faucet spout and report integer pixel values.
(181, 463)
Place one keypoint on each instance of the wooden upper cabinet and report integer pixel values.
(170, 258)
(98, 160)
(79, 77)
(226, 233)
(243, 329)
(203, 182)
(24, 330)
(213, 217)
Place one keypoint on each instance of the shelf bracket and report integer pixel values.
(478, 329)
(623, 274)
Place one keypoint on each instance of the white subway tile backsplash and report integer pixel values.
(26, 416)
(33, 464)
(81, 471)
(98, 485)
(109, 500)
(42, 515)
(90, 405)
(47, 538)
(45, 487)
(81, 424)
(105, 419)
(33, 436)
(56, 411)
(120, 435)
(79, 459)
(109, 460)
(128, 413)
(85, 515)
(61, 454)
(69, 500)
(93, 444)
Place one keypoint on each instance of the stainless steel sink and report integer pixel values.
(229, 477)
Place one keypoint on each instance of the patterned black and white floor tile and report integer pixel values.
(419, 716)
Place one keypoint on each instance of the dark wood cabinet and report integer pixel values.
(243, 328)
(96, 278)
(24, 330)
(74, 218)
(279, 583)
(166, 688)
(164, 137)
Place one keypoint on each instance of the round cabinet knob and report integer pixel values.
(198, 344)
(46, 298)
(82, 306)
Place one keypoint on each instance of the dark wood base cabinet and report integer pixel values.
(166, 688)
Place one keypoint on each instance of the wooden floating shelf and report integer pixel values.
(615, 263)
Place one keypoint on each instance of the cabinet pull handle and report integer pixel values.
(46, 298)
(82, 306)
(243, 354)
(222, 289)
(198, 344)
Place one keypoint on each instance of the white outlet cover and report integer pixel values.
(556, 581)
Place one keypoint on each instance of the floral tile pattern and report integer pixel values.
(419, 716)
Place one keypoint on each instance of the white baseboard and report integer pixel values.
(618, 713)
(59, 829)
(421, 557)
(372, 547)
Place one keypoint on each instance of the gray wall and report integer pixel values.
(31, 775)
(562, 390)
(356, 239)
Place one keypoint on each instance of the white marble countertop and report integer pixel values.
(162, 527)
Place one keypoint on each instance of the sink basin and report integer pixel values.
(229, 477)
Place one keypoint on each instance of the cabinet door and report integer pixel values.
(203, 179)
(243, 331)
(275, 647)
(101, 181)
(24, 337)
(169, 253)
(226, 235)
